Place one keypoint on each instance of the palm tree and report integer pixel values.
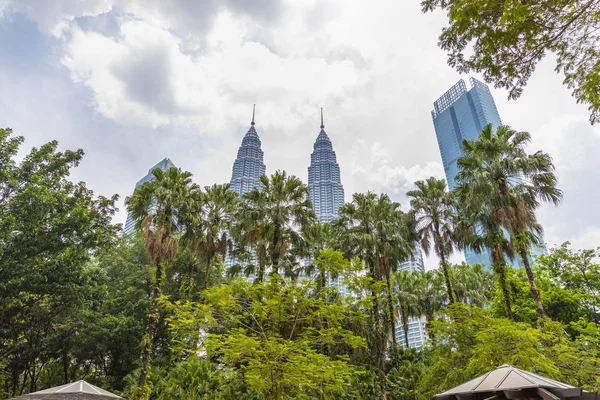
(317, 237)
(219, 207)
(157, 207)
(511, 184)
(472, 284)
(405, 283)
(396, 238)
(429, 296)
(477, 230)
(435, 215)
(273, 217)
(374, 229)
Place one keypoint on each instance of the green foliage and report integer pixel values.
(271, 331)
(200, 379)
(505, 40)
(77, 301)
(470, 342)
(435, 213)
(50, 227)
(269, 222)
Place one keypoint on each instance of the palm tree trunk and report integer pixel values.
(429, 327)
(379, 338)
(209, 257)
(501, 269)
(152, 319)
(533, 286)
(275, 257)
(405, 317)
(447, 278)
(392, 320)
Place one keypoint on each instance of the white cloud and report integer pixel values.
(179, 78)
(373, 168)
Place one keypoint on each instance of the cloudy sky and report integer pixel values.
(132, 82)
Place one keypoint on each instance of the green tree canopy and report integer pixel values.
(505, 40)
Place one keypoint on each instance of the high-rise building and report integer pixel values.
(164, 165)
(326, 192)
(415, 263)
(248, 167)
(417, 332)
(461, 114)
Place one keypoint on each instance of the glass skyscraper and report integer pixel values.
(326, 192)
(417, 332)
(461, 114)
(164, 165)
(248, 167)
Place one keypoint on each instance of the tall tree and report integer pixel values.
(506, 39)
(374, 229)
(157, 206)
(219, 208)
(405, 283)
(435, 215)
(273, 217)
(429, 295)
(50, 228)
(472, 284)
(510, 184)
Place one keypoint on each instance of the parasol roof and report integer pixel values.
(76, 390)
(507, 382)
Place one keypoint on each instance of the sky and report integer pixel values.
(132, 82)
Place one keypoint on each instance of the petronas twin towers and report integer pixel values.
(325, 187)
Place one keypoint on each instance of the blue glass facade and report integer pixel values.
(165, 164)
(461, 114)
(326, 192)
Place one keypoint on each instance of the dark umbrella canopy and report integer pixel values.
(507, 382)
(80, 390)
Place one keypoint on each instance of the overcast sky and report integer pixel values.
(132, 82)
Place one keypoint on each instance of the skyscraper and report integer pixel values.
(326, 192)
(248, 167)
(417, 332)
(164, 165)
(461, 114)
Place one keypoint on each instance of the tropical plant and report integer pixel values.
(429, 296)
(472, 284)
(509, 184)
(219, 208)
(435, 216)
(404, 287)
(374, 229)
(157, 206)
(272, 218)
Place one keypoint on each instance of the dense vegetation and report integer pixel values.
(167, 313)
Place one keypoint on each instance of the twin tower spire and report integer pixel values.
(324, 184)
